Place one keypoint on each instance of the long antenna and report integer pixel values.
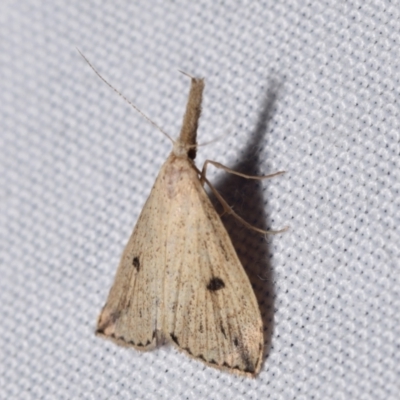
(128, 101)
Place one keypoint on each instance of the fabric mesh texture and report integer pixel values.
(311, 88)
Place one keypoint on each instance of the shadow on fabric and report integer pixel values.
(246, 198)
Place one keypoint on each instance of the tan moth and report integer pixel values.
(179, 279)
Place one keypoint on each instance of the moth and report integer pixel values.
(179, 279)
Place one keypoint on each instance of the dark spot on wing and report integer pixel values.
(223, 330)
(136, 263)
(174, 338)
(222, 248)
(215, 284)
(112, 318)
(250, 370)
(249, 367)
(236, 342)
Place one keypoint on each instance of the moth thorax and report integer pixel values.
(182, 149)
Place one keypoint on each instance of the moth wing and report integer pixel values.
(211, 311)
(132, 310)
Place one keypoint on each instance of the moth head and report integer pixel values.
(182, 149)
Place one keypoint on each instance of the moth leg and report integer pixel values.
(231, 171)
(228, 209)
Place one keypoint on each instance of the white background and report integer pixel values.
(307, 87)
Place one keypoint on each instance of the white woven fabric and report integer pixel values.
(308, 87)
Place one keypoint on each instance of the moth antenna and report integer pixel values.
(196, 145)
(185, 73)
(127, 100)
(211, 141)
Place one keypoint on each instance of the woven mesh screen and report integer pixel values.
(311, 88)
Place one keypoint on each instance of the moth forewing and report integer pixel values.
(179, 276)
(211, 310)
(130, 314)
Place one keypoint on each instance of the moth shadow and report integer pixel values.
(246, 198)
